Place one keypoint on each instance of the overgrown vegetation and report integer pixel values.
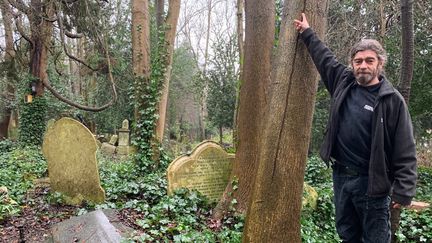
(184, 216)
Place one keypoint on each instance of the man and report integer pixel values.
(369, 139)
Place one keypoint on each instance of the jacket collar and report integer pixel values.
(386, 87)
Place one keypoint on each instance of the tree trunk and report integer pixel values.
(9, 60)
(407, 48)
(274, 210)
(140, 51)
(170, 34)
(41, 29)
(160, 13)
(407, 67)
(260, 17)
(240, 35)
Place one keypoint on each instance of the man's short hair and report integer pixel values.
(369, 44)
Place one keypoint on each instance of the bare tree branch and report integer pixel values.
(20, 29)
(62, 34)
(73, 35)
(20, 5)
(83, 107)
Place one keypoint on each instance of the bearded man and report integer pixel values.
(369, 139)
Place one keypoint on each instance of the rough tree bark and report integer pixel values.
(41, 30)
(407, 63)
(274, 211)
(259, 36)
(170, 33)
(159, 13)
(407, 68)
(10, 62)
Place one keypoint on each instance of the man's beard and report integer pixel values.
(364, 78)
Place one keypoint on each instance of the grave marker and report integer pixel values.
(207, 170)
(70, 149)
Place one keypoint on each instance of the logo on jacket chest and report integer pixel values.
(368, 107)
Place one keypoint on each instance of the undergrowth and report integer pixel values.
(185, 216)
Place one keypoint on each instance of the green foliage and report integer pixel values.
(415, 227)
(146, 94)
(319, 225)
(317, 173)
(6, 146)
(124, 181)
(32, 121)
(18, 169)
(183, 217)
(320, 118)
(424, 184)
(222, 79)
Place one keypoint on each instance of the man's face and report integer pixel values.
(366, 67)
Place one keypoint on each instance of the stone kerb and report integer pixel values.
(207, 169)
(70, 149)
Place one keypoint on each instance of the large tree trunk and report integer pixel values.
(9, 57)
(407, 67)
(170, 33)
(260, 17)
(274, 210)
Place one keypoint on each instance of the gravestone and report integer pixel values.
(123, 139)
(70, 149)
(123, 134)
(108, 149)
(113, 139)
(91, 227)
(207, 169)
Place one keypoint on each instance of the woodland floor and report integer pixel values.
(37, 216)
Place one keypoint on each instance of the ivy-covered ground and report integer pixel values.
(27, 212)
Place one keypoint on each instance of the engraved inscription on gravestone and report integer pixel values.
(207, 170)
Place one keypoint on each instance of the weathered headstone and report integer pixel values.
(108, 149)
(91, 227)
(113, 139)
(207, 170)
(123, 139)
(123, 134)
(70, 150)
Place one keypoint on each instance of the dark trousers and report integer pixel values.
(359, 218)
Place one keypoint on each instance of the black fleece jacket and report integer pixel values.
(392, 164)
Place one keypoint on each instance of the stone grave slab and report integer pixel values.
(91, 227)
(70, 149)
(207, 169)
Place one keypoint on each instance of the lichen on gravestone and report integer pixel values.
(70, 149)
(207, 170)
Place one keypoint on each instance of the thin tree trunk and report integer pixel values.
(275, 207)
(172, 19)
(240, 36)
(9, 60)
(407, 48)
(407, 67)
(160, 13)
(223, 204)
